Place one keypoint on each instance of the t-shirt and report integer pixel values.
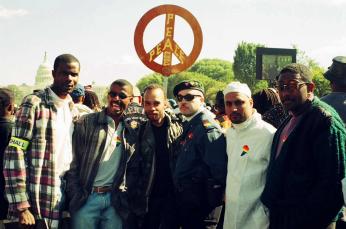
(111, 156)
(163, 181)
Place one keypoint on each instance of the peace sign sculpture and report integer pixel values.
(168, 46)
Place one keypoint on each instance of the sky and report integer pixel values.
(101, 33)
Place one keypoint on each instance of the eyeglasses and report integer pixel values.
(237, 103)
(121, 95)
(289, 86)
(187, 97)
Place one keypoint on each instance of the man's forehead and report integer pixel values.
(116, 87)
(154, 95)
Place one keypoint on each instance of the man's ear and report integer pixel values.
(310, 87)
(10, 109)
(251, 102)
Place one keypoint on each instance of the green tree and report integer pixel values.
(211, 86)
(149, 79)
(322, 85)
(216, 69)
(19, 92)
(244, 65)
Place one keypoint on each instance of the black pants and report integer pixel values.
(162, 214)
(193, 209)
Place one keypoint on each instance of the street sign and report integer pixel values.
(167, 46)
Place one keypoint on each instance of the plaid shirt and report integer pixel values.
(30, 174)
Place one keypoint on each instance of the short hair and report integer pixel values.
(153, 87)
(65, 58)
(6, 98)
(300, 69)
(122, 83)
(91, 100)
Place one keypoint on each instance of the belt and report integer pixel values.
(102, 189)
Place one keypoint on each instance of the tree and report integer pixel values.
(244, 65)
(153, 78)
(211, 86)
(19, 92)
(321, 84)
(217, 69)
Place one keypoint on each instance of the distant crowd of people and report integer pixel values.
(273, 159)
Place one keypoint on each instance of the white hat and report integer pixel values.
(237, 87)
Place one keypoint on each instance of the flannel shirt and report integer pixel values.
(30, 174)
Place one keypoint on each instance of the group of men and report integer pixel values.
(144, 167)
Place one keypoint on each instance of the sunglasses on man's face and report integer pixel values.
(187, 97)
(121, 95)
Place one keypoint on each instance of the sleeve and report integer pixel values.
(329, 156)
(15, 156)
(325, 200)
(214, 154)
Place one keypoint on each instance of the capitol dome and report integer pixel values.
(44, 74)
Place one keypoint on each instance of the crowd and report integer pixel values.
(274, 159)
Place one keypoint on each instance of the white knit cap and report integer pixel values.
(237, 87)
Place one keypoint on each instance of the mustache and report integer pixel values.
(286, 99)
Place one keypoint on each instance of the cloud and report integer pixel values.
(324, 54)
(125, 60)
(10, 13)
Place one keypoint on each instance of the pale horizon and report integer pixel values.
(100, 34)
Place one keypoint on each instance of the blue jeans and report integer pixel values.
(97, 212)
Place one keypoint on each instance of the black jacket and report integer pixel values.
(201, 157)
(140, 167)
(303, 187)
(91, 132)
(5, 135)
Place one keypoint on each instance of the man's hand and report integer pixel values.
(26, 218)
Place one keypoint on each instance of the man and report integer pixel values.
(99, 161)
(160, 140)
(336, 74)
(78, 96)
(40, 149)
(6, 123)
(201, 164)
(248, 148)
(303, 187)
(149, 190)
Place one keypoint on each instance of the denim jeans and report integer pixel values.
(97, 213)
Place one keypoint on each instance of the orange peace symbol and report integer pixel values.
(168, 46)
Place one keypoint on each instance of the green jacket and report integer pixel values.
(303, 188)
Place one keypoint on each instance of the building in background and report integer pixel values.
(43, 76)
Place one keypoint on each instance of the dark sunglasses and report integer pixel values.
(121, 95)
(187, 97)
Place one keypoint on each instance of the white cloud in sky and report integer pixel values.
(125, 59)
(10, 13)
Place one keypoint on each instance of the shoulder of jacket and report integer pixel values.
(208, 122)
(88, 118)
